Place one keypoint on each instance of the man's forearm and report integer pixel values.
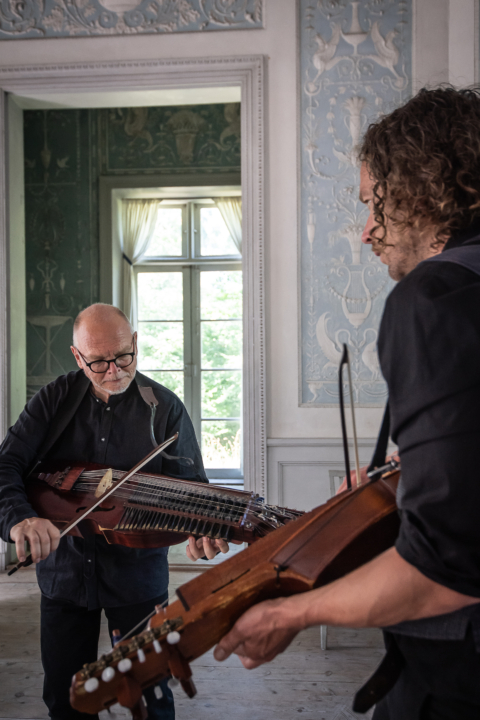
(385, 591)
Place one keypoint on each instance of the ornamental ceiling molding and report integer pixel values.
(31, 19)
(131, 75)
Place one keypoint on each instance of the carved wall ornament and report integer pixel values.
(69, 18)
(355, 65)
(200, 138)
(186, 125)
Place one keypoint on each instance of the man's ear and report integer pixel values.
(76, 356)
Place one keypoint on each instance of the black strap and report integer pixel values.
(146, 391)
(65, 413)
(380, 452)
(382, 680)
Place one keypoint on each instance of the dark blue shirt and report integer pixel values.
(88, 571)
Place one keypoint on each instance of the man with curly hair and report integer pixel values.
(420, 179)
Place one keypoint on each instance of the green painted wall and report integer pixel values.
(66, 151)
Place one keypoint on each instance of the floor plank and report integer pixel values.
(303, 681)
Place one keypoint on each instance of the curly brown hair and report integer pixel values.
(424, 158)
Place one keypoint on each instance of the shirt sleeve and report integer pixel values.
(429, 353)
(440, 531)
(19, 451)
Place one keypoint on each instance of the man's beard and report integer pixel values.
(115, 392)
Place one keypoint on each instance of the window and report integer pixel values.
(190, 325)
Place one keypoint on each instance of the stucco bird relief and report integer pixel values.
(327, 53)
(330, 347)
(369, 353)
(387, 53)
(324, 57)
(134, 126)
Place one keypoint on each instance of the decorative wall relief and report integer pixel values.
(65, 153)
(61, 273)
(355, 65)
(70, 18)
(195, 138)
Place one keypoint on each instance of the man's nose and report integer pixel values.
(366, 235)
(112, 368)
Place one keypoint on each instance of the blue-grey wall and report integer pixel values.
(355, 65)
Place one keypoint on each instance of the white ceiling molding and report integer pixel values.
(244, 72)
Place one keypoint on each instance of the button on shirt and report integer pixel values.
(88, 571)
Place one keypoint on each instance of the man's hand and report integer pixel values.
(363, 475)
(42, 535)
(385, 591)
(263, 632)
(204, 546)
(353, 475)
(198, 548)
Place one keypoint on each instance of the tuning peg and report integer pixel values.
(141, 655)
(124, 665)
(108, 674)
(91, 684)
(173, 637)
(158, 692)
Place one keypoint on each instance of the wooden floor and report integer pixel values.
(304, 680)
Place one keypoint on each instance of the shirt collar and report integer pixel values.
(469, 236)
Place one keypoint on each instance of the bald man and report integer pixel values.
(103, 419)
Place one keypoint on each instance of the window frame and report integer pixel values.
(191, 264)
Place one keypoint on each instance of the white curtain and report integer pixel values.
(138, 219)
(231, 211)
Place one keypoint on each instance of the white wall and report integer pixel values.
(444, 49)
(17, 291)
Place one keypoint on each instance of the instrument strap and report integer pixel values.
(146, 391)
(148, 395)
(380, 452)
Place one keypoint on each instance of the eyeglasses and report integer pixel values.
(102, 366)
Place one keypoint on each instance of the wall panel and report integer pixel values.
(355, 64)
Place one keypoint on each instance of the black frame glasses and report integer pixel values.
(90, 365)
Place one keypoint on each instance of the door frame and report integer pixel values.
(247, 72)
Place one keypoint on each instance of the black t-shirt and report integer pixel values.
(429, 349)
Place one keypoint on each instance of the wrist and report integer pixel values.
(294, 613)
